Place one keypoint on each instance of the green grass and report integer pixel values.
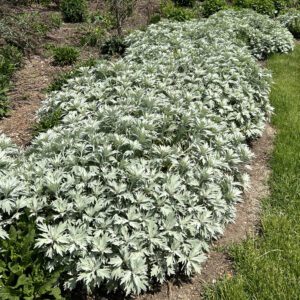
(268, 266)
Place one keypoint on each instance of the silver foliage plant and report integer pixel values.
(151, 156)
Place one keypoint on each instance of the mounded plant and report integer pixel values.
(176, 13)
(65, 55)
(150, 157)
(291, 20)
(186, 3)
(74, 11)
(209, 7)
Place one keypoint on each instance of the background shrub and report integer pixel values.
(93, 35)
(176, 13)
(74, 11)
(115, 45)
(10, 60)
(186, 3)
(212, 6)
(291, 20)
(266, 7)
(56, 20)
(65, 55)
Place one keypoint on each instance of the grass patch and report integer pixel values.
(268, 267)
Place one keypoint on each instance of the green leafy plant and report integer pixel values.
(56, 20)
(291, 20)
(186, 3)
(267, 7)
(115, 45)
(210, 7)
(65, 55)
(47, 121)
(10, 60)
(63, 78)
(105, 20)
(74, 11)
(93, 35)
(176, 13)
(22, 267)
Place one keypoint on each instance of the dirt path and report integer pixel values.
(247, 219)
(31, 81)
(26, 96)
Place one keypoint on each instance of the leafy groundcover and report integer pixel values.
(151, 154)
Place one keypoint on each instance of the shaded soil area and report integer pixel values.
(26, 95)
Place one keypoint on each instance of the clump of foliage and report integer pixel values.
(47, 121)
(155, 19)
(65, 55)
(63, 78)
(23, 273)
(268, 7)
(210, 7)
(106, 20)
(291, 20)
(115, 45)
(176, 13)
(185, 3)
(10, 60)
(56, 20)
(121, 10)
(261, 34)
(150, 156)
(74, 11)
(93, 35)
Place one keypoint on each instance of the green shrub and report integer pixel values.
(56, 20)
(212, 6)
(113, 46)
(74, 11)
(173, 12)
(106, 20)
(47, 121)
(155, 19)
(65, 55)
(10, 60)
(64, 77)
(22, 267)
(294, 28)
(185, 3)
(93, 36)
(4, 102)
(291, 20)
(265, 7)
